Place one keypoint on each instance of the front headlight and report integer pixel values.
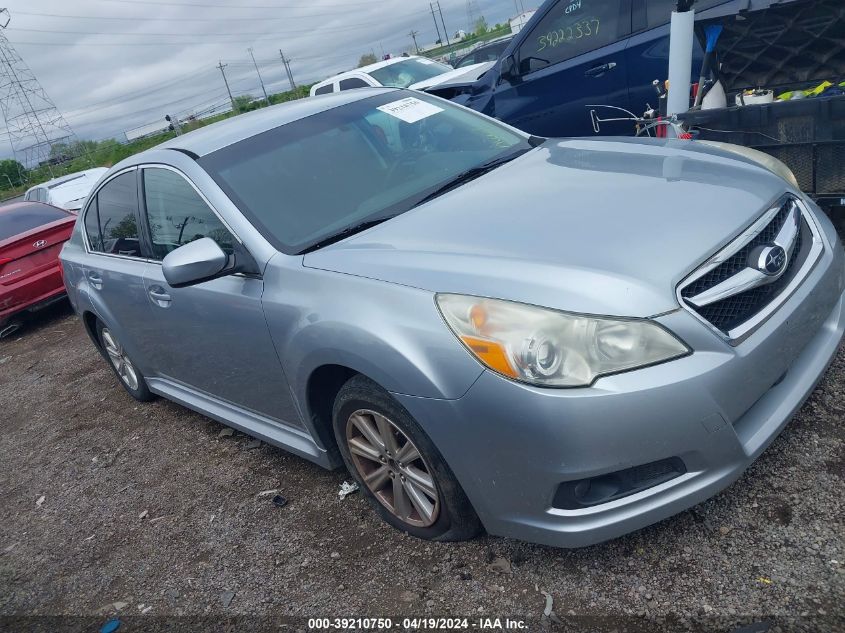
(550, 348)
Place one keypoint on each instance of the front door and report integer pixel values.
(572, 58)
(213, 336)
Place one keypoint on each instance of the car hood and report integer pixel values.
(601, 226)
(459, 75)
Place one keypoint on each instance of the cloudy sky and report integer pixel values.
(111, 65)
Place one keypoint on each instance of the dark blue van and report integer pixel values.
(576, 53)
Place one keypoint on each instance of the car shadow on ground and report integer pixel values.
(30, 323)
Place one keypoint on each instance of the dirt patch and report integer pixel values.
(148, 507)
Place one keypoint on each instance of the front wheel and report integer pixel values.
(397, 467)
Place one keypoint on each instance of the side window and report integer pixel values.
(176, 214)
(110, 221)
(570, 29)
(324, 90)
(353, 82)
(42, 195)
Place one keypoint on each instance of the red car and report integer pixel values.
(31, 236)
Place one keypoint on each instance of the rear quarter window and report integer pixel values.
(324, 90)
(27, 217)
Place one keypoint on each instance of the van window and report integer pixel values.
(570, 29)
(353, 82)
(324, 90)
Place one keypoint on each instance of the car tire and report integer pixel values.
(431, 503)
(126, 371)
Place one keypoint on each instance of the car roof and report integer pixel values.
(366, 69)
(386, 62)
(93, 173)
(60, 180)
(224, 133)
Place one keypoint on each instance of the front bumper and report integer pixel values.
(510, 445)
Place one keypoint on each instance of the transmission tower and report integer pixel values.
(473, 13)
(33, 122)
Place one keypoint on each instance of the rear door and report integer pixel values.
(115, 265)
(571, 58)
(31, 236)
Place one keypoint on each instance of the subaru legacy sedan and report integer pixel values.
(556, 340)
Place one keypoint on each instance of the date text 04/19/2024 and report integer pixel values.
(417, 624)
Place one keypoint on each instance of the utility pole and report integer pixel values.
(448, 43)
(221, 66)
(260, 80)
(436, 25)
(286, 62)
(413, 35)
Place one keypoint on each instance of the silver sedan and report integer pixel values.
(557, 340)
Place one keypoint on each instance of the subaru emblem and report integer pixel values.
(771, 260)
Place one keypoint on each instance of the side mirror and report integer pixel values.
(507, 69)
(195, 262)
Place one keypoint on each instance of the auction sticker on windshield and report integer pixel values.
(410, 109)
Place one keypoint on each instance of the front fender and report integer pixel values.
(393, 334)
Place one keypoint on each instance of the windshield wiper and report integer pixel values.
(346, 232)
(468, 175)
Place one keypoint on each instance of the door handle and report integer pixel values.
(598, 71)
(159, 296)
(95, 280)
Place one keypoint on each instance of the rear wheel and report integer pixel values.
(123, 367)
(397, 467)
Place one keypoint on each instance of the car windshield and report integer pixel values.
(322, 176)
(23, 218)
(409, 71)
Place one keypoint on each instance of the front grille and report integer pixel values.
(732, 311)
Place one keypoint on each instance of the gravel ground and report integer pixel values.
(109, 506)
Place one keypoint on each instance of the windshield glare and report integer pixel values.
(305, 181)
(409, 71)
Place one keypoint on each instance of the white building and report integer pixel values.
(518, 21)
(147, 130)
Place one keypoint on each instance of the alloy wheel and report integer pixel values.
(119, 360)
(392, 468)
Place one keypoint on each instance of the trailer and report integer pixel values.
(782, 67)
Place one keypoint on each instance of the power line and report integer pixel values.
(141, 92)
(170, 3)
(192, 19)
(349, 27)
